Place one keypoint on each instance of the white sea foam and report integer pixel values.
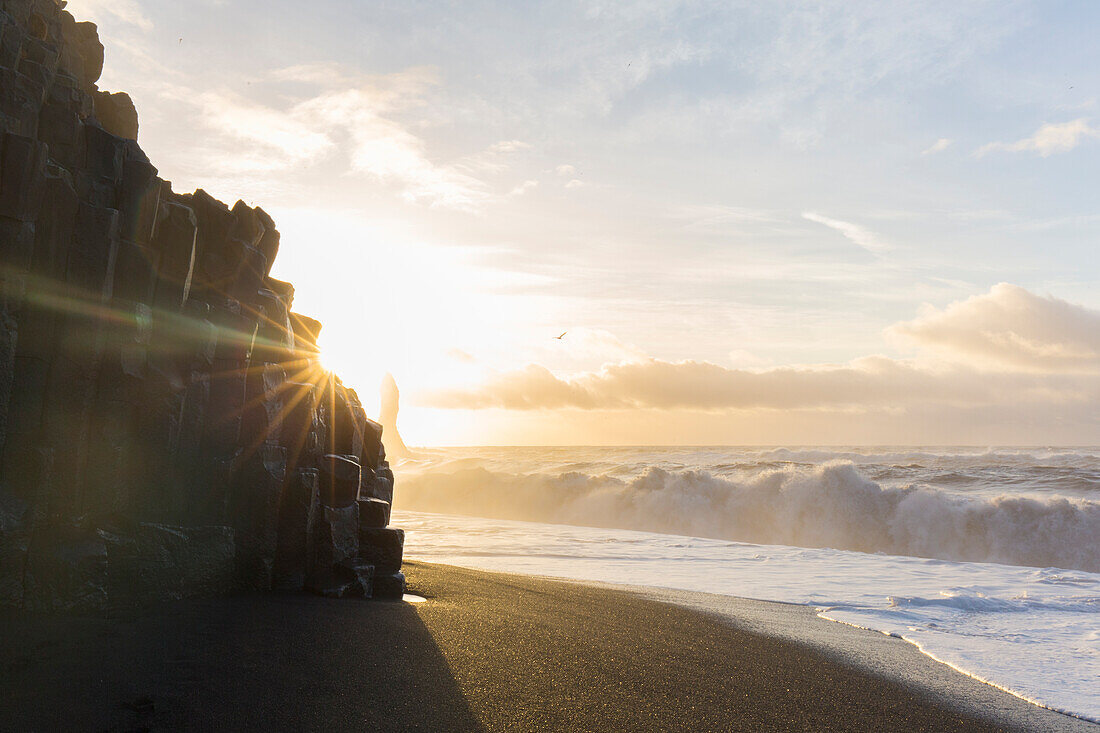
(987, 560)
(833, 504)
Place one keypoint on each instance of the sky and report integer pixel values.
(833, 223)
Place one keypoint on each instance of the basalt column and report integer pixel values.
(166, 426)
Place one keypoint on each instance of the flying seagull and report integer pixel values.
(562, 334)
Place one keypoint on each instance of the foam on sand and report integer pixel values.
(1030, 631)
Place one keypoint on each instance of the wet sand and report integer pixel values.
(486, 651)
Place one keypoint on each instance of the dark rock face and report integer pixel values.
(166, 427)
(66, 570)
(382, 547)
(153, 562)
(332, 547)
(374, 513)
(389, 587)
(339, 480)
(117, 114)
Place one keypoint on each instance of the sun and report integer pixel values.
(390, 302)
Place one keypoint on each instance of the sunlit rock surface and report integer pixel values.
(166, 428)
(387, 416)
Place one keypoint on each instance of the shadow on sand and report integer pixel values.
(271, 662)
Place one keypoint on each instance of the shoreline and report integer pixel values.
(875, 652)
(1021, 629)
(487, 651)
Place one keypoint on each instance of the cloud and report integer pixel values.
(508, 146)
(722, 220)
(939, 146)
(461, 356)
(495, 159)
(127, 11)
(806, 70)
(575, 183)
(854, 232)
(870, 383)
(1049, 139)
(1011, 348)
(565, 170)
(285, 137)
(1011, 328)
(356, 114)
(385, 149)
(705, 214)
(323, 73)
(523, 188)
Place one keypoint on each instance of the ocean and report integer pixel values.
(987, 560)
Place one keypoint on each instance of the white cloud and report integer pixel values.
(360, 115)
(287, 138)
(805, 68)
(127, 11)
(1011, 328)
(1053, 137)
(720, 219)
(939, 146)
(523, 188)
(495, 159)
(871, 383)
(565, 170)
(319, 73)
(854, 232)
(385, 149)
(1012, 350)
(508, 146)
(575, 183)
(461, 356)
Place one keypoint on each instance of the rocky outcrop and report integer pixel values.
(387, 416)
(166, 427)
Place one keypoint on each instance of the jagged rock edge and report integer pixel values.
(166, 426)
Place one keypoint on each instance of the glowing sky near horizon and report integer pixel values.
(759, 223)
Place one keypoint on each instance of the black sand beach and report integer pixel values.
(485, 652)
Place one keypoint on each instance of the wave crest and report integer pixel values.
(830, 505)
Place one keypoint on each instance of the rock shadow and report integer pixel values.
(251, 662)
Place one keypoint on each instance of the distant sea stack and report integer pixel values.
(166, 428)
(387, 415)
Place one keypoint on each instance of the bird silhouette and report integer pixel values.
(562, 334)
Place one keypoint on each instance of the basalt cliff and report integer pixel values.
(166, 427)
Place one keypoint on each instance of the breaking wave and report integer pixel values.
(830, 505)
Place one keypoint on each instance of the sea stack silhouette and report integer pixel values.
(387, 416)
(166, 426)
